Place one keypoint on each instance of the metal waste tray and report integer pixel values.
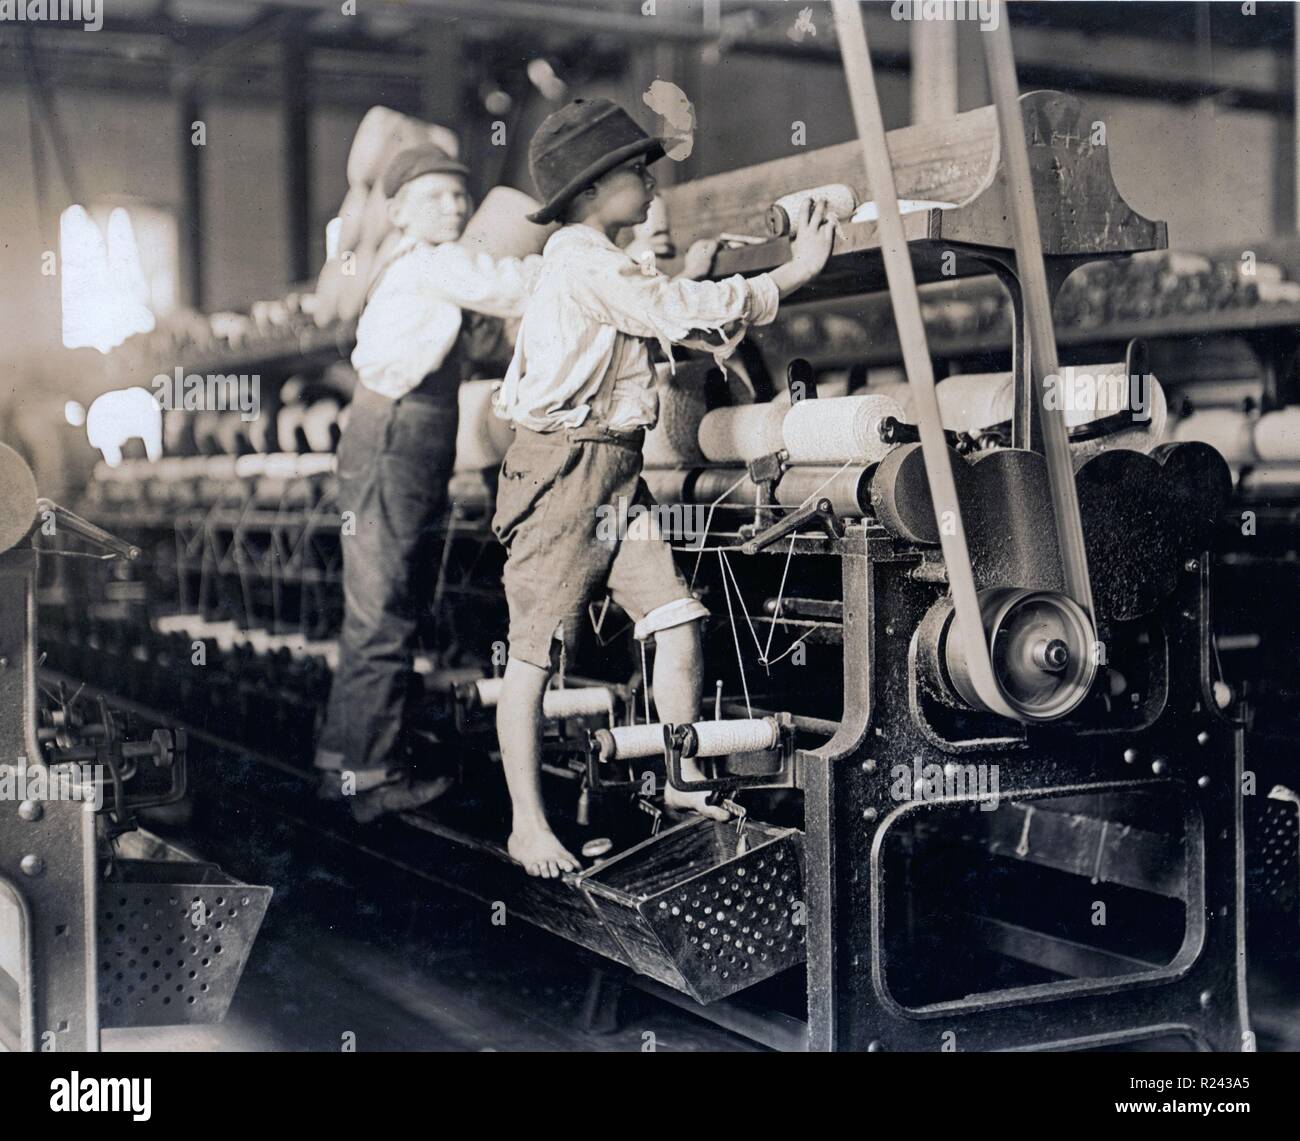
(173, 939)
(702, 912)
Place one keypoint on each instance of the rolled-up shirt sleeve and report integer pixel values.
(671, 310)
(765, 299)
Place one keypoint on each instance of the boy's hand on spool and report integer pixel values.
(699, 258)
(811, 245)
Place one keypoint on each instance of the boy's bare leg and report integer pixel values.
(519, 719)
(678, 678)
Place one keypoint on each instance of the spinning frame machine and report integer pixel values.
(1074, 660)
(102, 924)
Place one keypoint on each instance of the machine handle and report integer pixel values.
(819, 512)
(87, 530)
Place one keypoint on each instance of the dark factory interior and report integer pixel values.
(950, 701)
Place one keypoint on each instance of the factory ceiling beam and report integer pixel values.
(234, 52)
(1063, 58)
(517, 13)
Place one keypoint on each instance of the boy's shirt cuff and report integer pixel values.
(764, 299)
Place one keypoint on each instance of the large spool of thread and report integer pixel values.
(583, 701)
(972, 401)
(488, 690)
(667, 485)
(383, 132)
(849, 490)
(1270, 481)
(232, 434)
(976, 400)
(710, 483)
(580, 701)
(1230, 433)
(482, 437)
(1277, 436)
(219, 467)
(675, 440)
(838, 430)
(783, 215)
(313, 464)
(1140, 436)
(902, 392)
(721, 738)
(287, 420)
(625, 742)
(18, 501)
(500, 226)
(743, 433)
(320, 424)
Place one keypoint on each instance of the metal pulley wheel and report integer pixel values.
(1025, 655)
(1041, 647)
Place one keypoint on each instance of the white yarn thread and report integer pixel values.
(1277, 435)
(579, 701)
(838, 429)
(840, 201)
(743, 433)
(489, 690)
(746, 735)
(631, 741)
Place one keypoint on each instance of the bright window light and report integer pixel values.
(119, 273)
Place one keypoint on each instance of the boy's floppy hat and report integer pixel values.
(428, 158)
(578, 143)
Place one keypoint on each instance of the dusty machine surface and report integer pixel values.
(1018, 826)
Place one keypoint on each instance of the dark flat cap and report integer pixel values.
(415, 161)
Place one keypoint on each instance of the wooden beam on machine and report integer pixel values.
(949, 160)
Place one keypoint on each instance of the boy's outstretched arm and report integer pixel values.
(670, 310)
(499, 287)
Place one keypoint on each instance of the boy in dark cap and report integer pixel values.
(394, 461)
(580, 392)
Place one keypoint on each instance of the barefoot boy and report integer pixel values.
(580, 392)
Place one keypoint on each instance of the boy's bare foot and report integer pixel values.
(541, 854)
(694, 802)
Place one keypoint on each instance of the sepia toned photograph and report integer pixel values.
(649, 526)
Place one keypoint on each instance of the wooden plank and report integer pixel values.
(856, 266)
(952, 160)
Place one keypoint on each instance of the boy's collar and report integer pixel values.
(409, 243)
(577, 231)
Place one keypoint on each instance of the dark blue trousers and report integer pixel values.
(394, 461)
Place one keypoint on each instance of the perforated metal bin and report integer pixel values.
(174, 936)
(695, 911)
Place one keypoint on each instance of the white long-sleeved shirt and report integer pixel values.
(413, 317)
(589, 318)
